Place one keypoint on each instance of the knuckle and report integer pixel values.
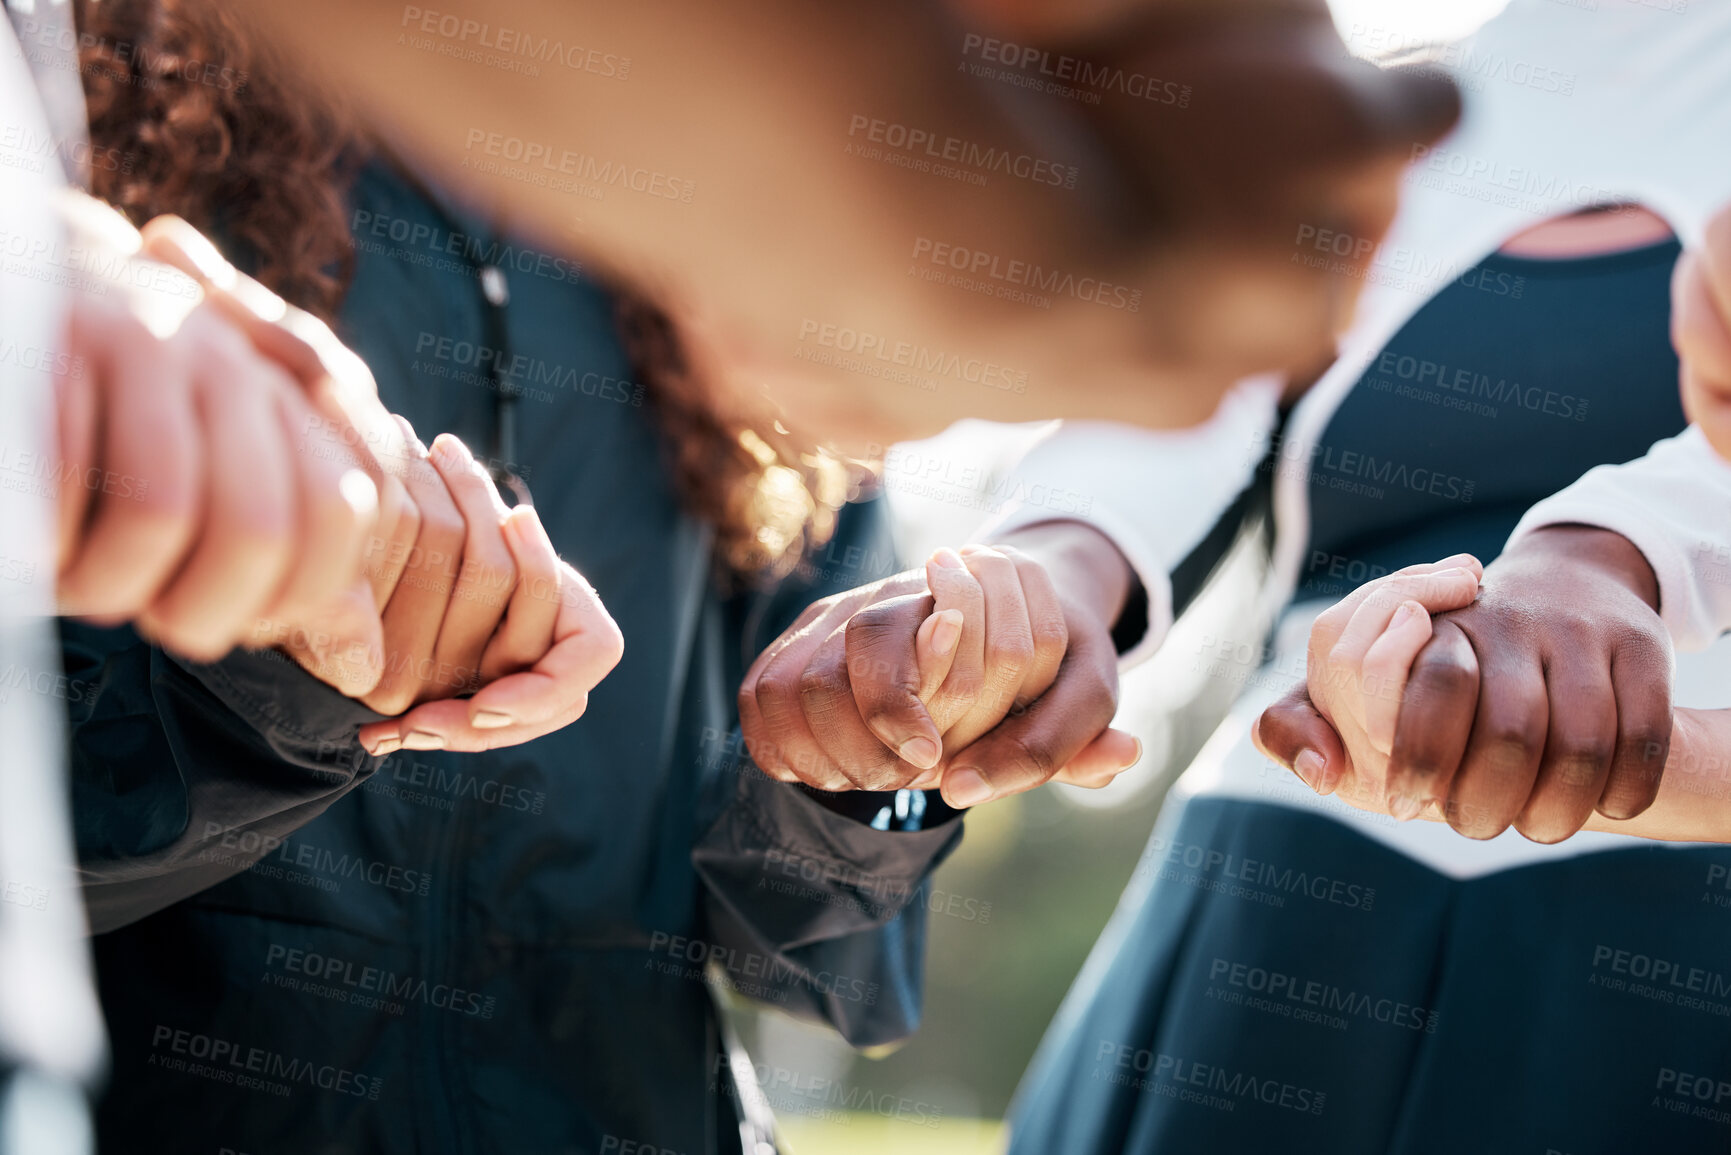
(1028, 760)
(778, 692)
(820, 686)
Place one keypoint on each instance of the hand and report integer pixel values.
(556, 644)
(186, 508)
(340, 639)
(459, 593)
(878, 688)
(1701, 330)
(1543, 701)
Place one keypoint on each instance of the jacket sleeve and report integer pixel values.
(1672, 504)
(1155, 493)
(816, 903)
(185, 774)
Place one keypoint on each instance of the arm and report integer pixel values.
(1155, 495)
(1542, 702)
(817, 896)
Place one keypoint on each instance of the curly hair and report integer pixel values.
(190, 115)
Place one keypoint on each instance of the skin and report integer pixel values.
(989, 672)
(439, 591)
(1544, 704)
(760, 110)
(1701, 330)
(1607, 727)
(1538, 703)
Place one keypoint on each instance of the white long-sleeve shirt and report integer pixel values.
(50, 1027)
(1674, 504)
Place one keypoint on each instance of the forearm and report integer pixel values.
(1083, 563)
(1584, 547)
(1694, 802)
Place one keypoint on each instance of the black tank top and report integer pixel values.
(1508, 385)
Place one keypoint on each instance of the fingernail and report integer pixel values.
(424, 740)
(1309, 766)
(1137, 756)
(1405, 807)
(389, 744)
(920, 751)
(948, 558)
(1405, 612)
(965, 788)
(490, 720)
(947, 632)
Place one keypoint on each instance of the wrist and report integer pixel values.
(1603, 551)
(1084, 565)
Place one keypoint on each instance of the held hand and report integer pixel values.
(1356, 672)
(1539, 704)
(185, 506)
(872, 688)
(556, 644)
(338, 639)
(457, 592)
(1701, 330)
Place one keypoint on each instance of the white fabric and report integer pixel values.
(1565, 108)
(1675, 505)
(48, 1014)
(1159, 492)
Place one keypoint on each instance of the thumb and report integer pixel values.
(888, 644)
(935, 650)
(1294, 734)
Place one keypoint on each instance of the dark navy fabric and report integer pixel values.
(1513, 381)
(498, 953)
(1279, 983)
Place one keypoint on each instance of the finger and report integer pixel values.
(392, 542)
(1435, 723)
(935, 649)
(1578, 748)
(1008, 649)
(1384, 671)
(587, 645)
(791, 748)
(75, 404)
(527, 632)
(150, 451)
(417, 607)
(1641, 681)
(1102, 760)
(356, 428)
(1331, 623)
(519, 707)
(1434, 592)
(487, 574)
(298, 341)
(874, 659)
(953, 587)
(1293, 733)
(1045, 622)
(339, 509)
(341, 643)
(842, 672)
(1508, 739)
(246, 539)
(446, 725)
(1026, 749)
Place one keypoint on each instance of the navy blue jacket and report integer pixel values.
(310, 950)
